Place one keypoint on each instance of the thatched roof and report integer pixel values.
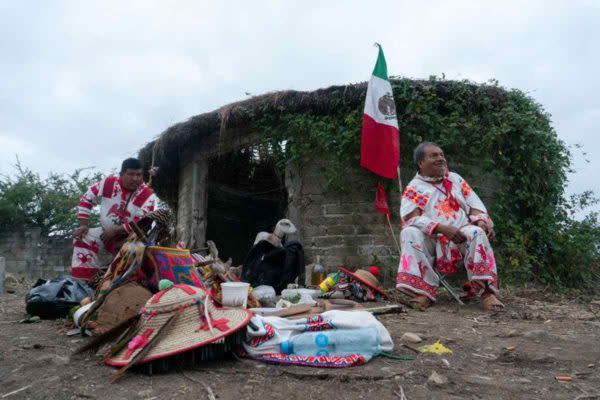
(168, 147)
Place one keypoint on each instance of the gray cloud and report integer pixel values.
(85, 83)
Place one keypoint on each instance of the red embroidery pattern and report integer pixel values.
(447, 263)
(479, 268)
(446, 208)
(258, 340)
(316, 323)
(465, 189)
(419, 199)
(445, 266)
(478, 285)
(416, 282)
(313, 361)
(220, 324)
(483, 267)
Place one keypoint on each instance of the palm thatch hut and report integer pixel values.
(235, 171)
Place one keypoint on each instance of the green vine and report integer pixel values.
(484, 129)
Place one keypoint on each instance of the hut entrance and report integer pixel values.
(246, 194)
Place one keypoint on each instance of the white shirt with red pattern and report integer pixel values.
(117, 207)
(437, 206)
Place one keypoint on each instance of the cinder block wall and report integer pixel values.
(343, 228)
(28, 253)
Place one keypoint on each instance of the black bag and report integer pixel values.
(266, 264)
(54, 298)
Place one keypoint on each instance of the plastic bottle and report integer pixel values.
(329, 282)
(333, 343)
(318, 273)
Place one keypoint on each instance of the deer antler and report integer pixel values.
(212, 249)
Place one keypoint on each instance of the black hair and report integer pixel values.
(130, 163)
(419, 153)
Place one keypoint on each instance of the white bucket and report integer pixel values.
(235, 294)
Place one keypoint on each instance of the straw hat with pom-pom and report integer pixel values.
(368, 277)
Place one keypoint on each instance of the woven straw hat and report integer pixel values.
(365, 277)
(189, 329)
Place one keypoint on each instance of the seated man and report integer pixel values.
(444, 221)
(122, 199)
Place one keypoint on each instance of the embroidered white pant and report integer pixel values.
(420, 252)
(85, 263)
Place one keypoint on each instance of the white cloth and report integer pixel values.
(278, 330)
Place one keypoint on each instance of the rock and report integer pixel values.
(479, 380)
(446, 363)
(11, 283)
(537, 334)
(410, 337)
(521, 380)
(145, 393)
(543, 358)
(437, 379)
(54, 359)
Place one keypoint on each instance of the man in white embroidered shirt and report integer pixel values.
(444, 222)
(122, 198)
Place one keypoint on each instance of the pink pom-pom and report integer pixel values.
(137, 342)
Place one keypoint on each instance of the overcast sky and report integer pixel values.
(87, 83)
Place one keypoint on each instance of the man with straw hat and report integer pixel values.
(444, 222)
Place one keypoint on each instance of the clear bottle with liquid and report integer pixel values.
(364, 341)
(317, 275)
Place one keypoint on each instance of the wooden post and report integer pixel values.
(198, 203)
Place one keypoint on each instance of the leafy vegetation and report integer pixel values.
(27, 200)
(499, 137)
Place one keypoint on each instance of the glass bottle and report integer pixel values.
(318, 273)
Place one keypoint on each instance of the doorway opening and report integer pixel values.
(246, 194)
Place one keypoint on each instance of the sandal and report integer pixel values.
(490, 302)
(420, 302)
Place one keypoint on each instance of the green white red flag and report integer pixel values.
(380, 141)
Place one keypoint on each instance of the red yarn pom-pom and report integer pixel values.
(374, 271)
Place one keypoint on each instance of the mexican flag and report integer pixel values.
(380, 142)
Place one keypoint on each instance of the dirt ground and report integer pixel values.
(516, 354)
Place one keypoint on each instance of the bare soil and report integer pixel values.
(516, 354)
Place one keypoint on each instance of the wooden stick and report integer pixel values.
(399, 180)
(16, 391)
(393, 233)
(380, 308)
(138, 232)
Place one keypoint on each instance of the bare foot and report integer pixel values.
(490, 302)
(420, 302)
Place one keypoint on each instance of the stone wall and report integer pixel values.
(28, 253)
(343, 229)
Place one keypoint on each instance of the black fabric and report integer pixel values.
(54, 298)
(266, 264)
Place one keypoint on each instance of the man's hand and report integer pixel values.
(489, 231)
(80, 232)
(111, 232)
(452, 233)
